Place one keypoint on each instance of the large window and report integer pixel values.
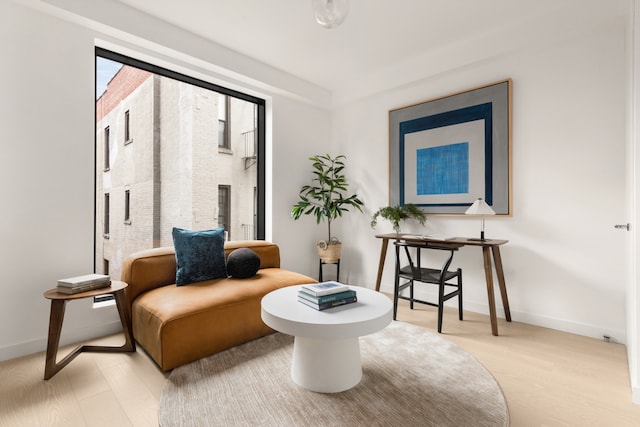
(127, 206)
(127, 134)
(106, 144)
(223, 121)
(224, 207)
(105, 217)
(194, 141)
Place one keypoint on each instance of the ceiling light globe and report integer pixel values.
(330, 13)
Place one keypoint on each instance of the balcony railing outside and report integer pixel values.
(250, 148)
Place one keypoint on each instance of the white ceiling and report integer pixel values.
(376, 35)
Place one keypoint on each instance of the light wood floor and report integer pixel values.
(549, 378)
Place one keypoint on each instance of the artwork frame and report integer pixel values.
(447, 152)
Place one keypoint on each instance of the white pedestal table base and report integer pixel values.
(326, 348)
(326, 365)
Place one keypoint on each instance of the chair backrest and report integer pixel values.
(416, 269)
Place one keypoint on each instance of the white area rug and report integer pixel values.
(411, 377)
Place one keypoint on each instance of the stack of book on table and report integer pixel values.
(88, 282)
(322, 296)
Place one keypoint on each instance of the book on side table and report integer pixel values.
(88, 282)
(322, 296)
(324, 288)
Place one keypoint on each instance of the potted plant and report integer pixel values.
(326, 199)
(396, 214)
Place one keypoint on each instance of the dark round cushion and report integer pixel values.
(243, 263)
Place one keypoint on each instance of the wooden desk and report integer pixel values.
(489, 247)
(58, 303)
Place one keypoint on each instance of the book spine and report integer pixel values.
(326, 298)
(307, 302)
(85, 288)
(64, 284)
(323, 292)
(327, 305)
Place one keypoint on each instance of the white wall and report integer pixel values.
(46, 166)
(565, 263)
(298, 139)
(633, 289)
(46, 175)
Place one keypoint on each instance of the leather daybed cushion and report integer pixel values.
(181, 324)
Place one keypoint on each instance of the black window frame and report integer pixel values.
(260, 103)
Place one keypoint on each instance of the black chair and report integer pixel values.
(414, 272)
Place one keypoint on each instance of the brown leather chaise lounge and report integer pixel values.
(180, 324)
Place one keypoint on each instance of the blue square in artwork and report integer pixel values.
(443, 170)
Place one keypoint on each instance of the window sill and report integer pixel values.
(102, 304)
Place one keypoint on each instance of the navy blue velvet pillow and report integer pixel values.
(243, 263)
(199, 255)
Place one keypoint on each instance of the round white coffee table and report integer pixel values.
(326, 349)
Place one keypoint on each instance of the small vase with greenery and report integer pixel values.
(326, 197)
(397, 214)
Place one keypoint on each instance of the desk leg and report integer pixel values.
(383, 255)
(497, 259)
(488, 272)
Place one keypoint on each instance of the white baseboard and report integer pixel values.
(69, 336)
(635, 395)
(564, 325)
(593, 331)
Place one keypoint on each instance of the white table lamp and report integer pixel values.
(481, 208)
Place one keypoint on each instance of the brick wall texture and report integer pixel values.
(171, 165)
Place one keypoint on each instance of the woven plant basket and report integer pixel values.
(329, 251)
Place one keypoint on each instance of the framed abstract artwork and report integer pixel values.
(447, 152)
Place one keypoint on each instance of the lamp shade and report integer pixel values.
(330, 13)
(480, 207)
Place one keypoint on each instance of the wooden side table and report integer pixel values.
(58, 304)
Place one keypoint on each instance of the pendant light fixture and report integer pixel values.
(330, 13)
